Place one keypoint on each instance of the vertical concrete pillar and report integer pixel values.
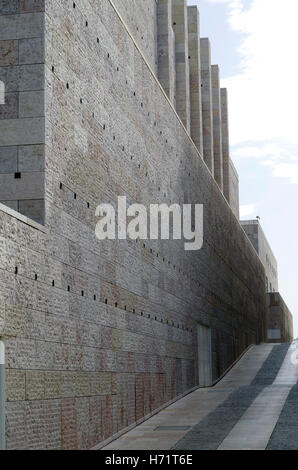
(195, 77)
(166, 48)
(180, 25)
(207, 114)
(225, 142)
(217, 131)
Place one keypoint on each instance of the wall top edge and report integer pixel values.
(22, 218)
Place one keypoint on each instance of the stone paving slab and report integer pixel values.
(193, 408)
(285, 434)
(217, 426)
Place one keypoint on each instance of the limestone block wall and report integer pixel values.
(141, 18)
(217, 126)
(166, 49)
(101, 334)
(22, 133)
(195, 77)
(257, 237)
(279, 320)
(180, 26)
(234, 190)
(225, 142)
(207, 106)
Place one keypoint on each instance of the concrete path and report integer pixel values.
(248, 409)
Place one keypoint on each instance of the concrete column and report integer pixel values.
(225, 142)
(217, 132)
(195, 77)
(2, 395)
(180, 25)
(207, 114)
(166, 49)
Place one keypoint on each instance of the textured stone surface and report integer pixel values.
(140, 17)
(256, 235)
(166, 49)
(107, 332)
(180, 26)
(207, 106)
(22, 117)
(234, 190)
(279, 319)
(225, 142)
(195, 77)
(217, 126)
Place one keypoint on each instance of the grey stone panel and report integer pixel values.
(180, 26)
(166, 49)
(234, 190)
(9, 159)
(22, 131)
(33, 208)
(29, 186)
(21, 26)
(195, 77)
(278, 319)
(217, 126)
(225, 142)
(22, 120)
(207, 107)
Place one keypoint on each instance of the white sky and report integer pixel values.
(255, 44)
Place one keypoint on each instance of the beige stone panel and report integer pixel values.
(15, 385)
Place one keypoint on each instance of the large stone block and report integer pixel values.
(21, 26)
(31, 104)
(9, 52)
(8, 159)
(22, 132)
(31, 51)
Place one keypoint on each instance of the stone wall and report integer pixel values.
(217, 126)
(225, 143)
(101, 334)
(257, 237)
(207, 106)
(279, 320)
(140, 17)
(22, 117)
(166, 50)
(234, 190)
(195, 77)
(180, 27)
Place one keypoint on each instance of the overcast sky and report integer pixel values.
(255, 43)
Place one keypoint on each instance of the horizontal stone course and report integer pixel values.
(105, 333)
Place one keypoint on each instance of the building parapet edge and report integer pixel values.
(22, 218)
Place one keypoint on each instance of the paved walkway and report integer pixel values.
(255, 406)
